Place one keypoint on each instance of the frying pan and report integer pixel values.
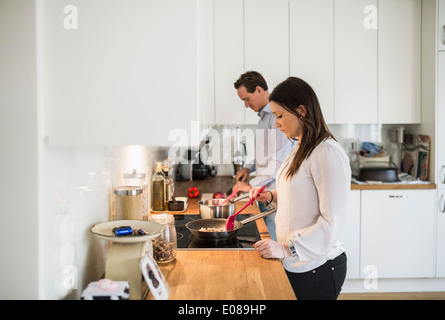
(220, 236)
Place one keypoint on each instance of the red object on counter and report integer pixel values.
(193, 192)
(219, 195)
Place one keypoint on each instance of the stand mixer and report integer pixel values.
(126, 251)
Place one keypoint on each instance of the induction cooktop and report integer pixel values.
(245, 239)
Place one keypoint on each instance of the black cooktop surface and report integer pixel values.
(245, 239)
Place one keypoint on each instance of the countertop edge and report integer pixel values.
(391, 186)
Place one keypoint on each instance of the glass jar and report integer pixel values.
(158, 189)
(128, 202)
(139, 179)
(165, 245)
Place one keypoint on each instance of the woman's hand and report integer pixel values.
(264, 196)
(270, 249)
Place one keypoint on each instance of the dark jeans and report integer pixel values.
(322, 283)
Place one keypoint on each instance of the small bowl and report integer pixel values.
(176, 205)
(183, 199)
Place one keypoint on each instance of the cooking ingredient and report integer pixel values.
(193, 192)
(165, 245)
(128, 202)
(167, 169)
(158, 200)
(212, 229)
(219, 195)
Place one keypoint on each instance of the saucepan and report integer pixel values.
(220, 236)
(209, 209)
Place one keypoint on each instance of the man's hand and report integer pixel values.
(242, 174)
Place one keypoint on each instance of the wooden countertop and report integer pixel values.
(226, 275)
(392, 186)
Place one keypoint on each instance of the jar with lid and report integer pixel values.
(165, 245)
(139, 179)
(128, 202)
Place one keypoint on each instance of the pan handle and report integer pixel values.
(241, 197)
(257, 216)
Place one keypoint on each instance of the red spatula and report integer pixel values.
(229, 197)
(231, 220)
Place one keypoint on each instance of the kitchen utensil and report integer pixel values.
(175, 205)
(231, 220)
(126, 251)
(229, 197)
(220, 236)
(212, 209)
(104, 230)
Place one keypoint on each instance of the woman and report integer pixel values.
(313, 186)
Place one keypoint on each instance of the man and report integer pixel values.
(271, 146)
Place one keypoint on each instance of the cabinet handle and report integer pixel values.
(398, 196)
(442, 175)
(443, 35)
(442, 204)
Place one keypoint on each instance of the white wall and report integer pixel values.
(19, 152)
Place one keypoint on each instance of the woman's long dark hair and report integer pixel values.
(290, 94)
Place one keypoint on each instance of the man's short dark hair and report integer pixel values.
(250, 80)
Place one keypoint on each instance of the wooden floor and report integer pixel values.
(393, 296)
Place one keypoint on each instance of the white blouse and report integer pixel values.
(313, 205)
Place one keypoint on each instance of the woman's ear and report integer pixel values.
(302, 111)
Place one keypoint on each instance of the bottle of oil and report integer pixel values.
(167, 168)
(158, 187)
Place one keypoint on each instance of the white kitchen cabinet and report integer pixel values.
(441, 26)
(399, 56)
(119, 78)
(312, 48)
(355, 61)
(440, 126)
(351, 236)
(397, 232)
(229, 60)
(440, 250)
(266, 42)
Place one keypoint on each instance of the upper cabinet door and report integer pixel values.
(399, 53)
(266, 42)
(355, 61)
(229, 60)
(117, 76)
(311, 41)
(441, 26)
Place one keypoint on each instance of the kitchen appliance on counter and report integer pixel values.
(245, 239)
(126, 251)
(378, 171)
